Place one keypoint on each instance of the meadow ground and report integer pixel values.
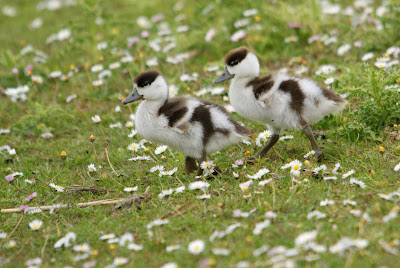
(63, 62)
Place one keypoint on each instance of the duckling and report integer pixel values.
(193, 127)
(278, 100)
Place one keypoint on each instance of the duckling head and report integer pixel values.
(149, 85)
(239, 63)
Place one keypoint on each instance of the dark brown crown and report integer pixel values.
(146, 78)
(235, 56)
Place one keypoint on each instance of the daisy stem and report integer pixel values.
(95, 153)
(20, 190)
(108, 159)
(55, 92)
(57, 173)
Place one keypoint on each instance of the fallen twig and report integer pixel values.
(93, 189)
(57, 206)
(179, 211)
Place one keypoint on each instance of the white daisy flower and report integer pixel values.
(131, 189)
(208, 167)
(351, 172)
(171, 248)
(245, 186)
(11, 244)
(91, 168)
(326, 202)
(329, 81)
(82, 248)
(238, 36)
(57, 187)
(196, 247)
(107, 237)
(97, 83)
(96, 119)
(37, 79)
(336, 168)
(170, 265)
(168, 173)
(325, 70)
(120, 261)
(316, 214)
(287, 137)
(204, 196)
(221, 251)
(102, 45)
(397, 167)
(134, 147)
(259, 174)
(265, 135)
(264, 182)
(343, 49)
(180, 189)
(261, 226)
(367, 56)
(165, 193)
(135, 247)
(158, 167)
(305, 238)
(197, 185)
(160, 149)
(157, 222)
(35, 224)
(358, 182)
(114, 65)
(97, 68)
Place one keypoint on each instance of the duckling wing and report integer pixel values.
(176, 112)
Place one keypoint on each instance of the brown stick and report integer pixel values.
(56, 206)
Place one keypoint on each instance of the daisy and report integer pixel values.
(250, 12)
(316, 214)
(351, 172)
(332, 178)
(196, 247)
(133, 133)
(259, 174)
(265, 135)
(210, 35)
(107, 237)
(134, 147)
(305, 238)
(397, 167)
(261, 226)
(264, 182)
(221, 251)
(349, 202)
(135, 247)
(168, 173)
(326, 202)
(82, 248)
(238, 36)
(102, 45)
(170, 265)
(35, 224)
(64, 34)
(343, 49)
(127, 58)
(11, 244)
(157, 222)
(158, 167)
(245, 185)
(160, 149)
(260, 250)
(70, 98)
(126, 238)
(292, 38)
(270, 215)
(198, 185)
(325, 70)
(367, 56)
(358, 182)
(204, 196)
(131, 189)
(97, 68)
(37, 79)
(171, 248)
(329, 81)
(114, 65)
(91, 168)
(120, 261)
(208, 166)
(144, 158)
(180, 189)
(165, 193)
(287, 137)
(57, 187)
(97, 83)
(336, 168)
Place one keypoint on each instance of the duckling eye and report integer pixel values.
(234, 62)
(145, 83)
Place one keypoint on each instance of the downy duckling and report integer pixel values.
(278, 100)
(193, 127)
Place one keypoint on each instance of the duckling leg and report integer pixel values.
(309, 133)
(199, 169)
(190, 165)
(261, 153)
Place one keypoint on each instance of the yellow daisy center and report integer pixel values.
(35, 226)
(133, 147)
(295, 167)
(196, 247)
(206, 164)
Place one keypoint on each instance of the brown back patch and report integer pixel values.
(331, 95)
(237, 54)
(174, 110)
(292, 87)
(146, 78)
(261, 85)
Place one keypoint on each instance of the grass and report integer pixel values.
(351, 138)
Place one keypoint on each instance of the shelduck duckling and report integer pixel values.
(278, 100)
(193, 127)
